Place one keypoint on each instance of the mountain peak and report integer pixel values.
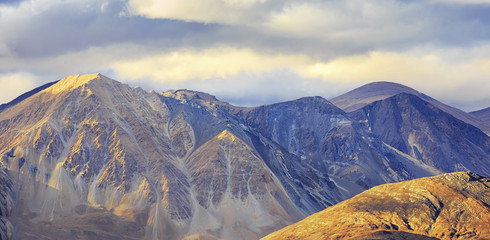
(383, 87)
(184, 94)
(369, 93)
(74, 81)
(386, 84)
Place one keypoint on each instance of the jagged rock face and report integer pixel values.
(449, 206)
(93, 158)
(428, 134)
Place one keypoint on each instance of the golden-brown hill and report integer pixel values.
(449, 206)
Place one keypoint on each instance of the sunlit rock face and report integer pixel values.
(92, 158)
(449, 206)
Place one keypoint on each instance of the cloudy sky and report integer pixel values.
(251, 52)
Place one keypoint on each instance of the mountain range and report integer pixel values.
(89, 157)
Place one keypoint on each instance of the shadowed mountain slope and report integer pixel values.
(331, 142)
(428, 134)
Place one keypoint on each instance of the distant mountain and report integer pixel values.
(483, 114)
(92, 158)
(369, 93)
(428, 134)
(450, 206)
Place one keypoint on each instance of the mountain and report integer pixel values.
(92, 158)
(371, 92)
(99, 150)
(483, 114)
(427, 133)
(330, 142)
(449, 206)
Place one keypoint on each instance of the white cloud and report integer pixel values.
(247, 76)
(442, 73)
(14, 84)
(336, 16)
(207, 11)
(212, 63)
(435, 73)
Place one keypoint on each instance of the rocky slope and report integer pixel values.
(449, 206)
(6, 206)
(428, 134)
(369, 93)
(90, 157)
(330, 142)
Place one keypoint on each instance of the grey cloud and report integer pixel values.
(420, 24)
(68, 27)
(11, 2)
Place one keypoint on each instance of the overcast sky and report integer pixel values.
(251, 52)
